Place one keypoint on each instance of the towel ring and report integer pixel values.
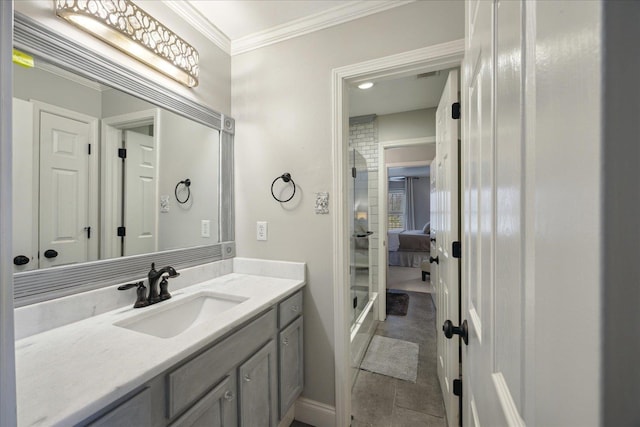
(187, 184)
(286, 177)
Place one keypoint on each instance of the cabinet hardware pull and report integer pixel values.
(247, 378)
(228, 395)
(285, 341)
(294, 308)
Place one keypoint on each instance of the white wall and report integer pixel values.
(407, 125)
(281, 97)
(214, 89)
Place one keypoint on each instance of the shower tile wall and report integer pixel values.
(364, 138)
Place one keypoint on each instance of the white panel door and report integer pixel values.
(447, 287)
(64, 190)
(25, 227)
(493, 362)
(140, 194)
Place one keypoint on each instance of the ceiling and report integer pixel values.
(240, 18)
(397, 95)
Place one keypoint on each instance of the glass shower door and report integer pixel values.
(360, 242)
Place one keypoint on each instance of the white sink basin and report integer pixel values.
(171, 318)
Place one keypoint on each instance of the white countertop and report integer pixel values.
(66, 374)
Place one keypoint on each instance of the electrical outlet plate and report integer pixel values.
(261, 230)
(205, 228)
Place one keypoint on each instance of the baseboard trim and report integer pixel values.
(315, 413)
(288, 418)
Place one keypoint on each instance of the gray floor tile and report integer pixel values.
(408, 418)
(379, 401)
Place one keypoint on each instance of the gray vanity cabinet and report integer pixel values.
(258, 388)
(218, 408)
(134, 412)
(291, 365)
(249, 378)
(290, 338)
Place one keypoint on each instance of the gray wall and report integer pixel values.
(407, 125)
(39, 85)
(281, 97)
(194, 157)
(621, 206)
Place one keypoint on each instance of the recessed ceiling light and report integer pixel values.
(365, 85)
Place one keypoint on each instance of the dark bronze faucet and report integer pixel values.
(154, 275)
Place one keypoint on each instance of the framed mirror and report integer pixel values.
(111, 172)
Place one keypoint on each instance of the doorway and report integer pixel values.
(422, 61)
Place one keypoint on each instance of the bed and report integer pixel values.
(408, 248)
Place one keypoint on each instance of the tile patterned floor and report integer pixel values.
(381, 401)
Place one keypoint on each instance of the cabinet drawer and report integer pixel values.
(189, 382)
(135, 412)
(289, 309)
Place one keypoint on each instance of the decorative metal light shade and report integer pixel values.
(125, 26)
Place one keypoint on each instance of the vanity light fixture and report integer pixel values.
(365, 85)
(130, 29)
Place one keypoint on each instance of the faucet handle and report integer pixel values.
(164, 285)
(141, 300)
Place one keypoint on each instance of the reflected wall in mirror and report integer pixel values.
(94, 168)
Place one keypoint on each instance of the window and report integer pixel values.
(396, 204)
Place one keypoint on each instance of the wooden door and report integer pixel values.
(64, 215)
(25, 211)
(448, 281)
(140, 194)
(493, 238)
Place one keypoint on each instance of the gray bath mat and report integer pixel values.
(392, 357)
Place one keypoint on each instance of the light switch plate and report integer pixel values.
(164, 204)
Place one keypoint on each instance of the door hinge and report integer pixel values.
(456, 249)
(88, 230)
(89, 149)
(122, 231)
(354, 172)
(355, 302)
(457, 387)
(455, 110)
(122, 153)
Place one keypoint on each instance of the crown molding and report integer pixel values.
(319, 21)
(198, 21)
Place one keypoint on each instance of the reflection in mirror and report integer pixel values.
(95, 173)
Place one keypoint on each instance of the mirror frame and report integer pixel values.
(55, 282)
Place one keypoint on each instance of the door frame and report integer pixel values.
(431, 58)
(382, 210)
(111, 173)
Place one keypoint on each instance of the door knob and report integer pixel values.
(21, 260)
(450, 330)
(50, 253)
(432, 260)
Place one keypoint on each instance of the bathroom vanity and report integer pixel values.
(235, 357)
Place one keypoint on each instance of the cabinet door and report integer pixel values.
(258, 388)
(291, 365)
(216, 409)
